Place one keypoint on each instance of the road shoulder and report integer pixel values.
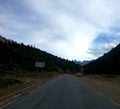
(108, 87)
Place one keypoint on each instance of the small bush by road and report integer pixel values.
(4, 83)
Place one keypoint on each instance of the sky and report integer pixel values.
(71, 29)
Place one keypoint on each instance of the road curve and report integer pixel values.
(64, 92)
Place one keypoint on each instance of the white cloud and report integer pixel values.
(69, 28)
(77, 22)
(107, 46)
(76, 32)
(101, 49)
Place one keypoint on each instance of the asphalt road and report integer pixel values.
(64, 92)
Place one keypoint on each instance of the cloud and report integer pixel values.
(95, 52)
(107, 46)
(70, 29)
(103, 43)
(4, 22)
(76, 32)
(101, 49)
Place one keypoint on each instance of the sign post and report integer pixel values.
(39, 64)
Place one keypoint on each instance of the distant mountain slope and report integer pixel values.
(109, 63)
(14, 56)
(3, 39)
(82, 63)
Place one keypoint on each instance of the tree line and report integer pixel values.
(15, 56)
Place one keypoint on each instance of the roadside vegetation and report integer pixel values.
(8, 80)
(5, 82)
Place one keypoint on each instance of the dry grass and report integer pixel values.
(16, 90)
(12, 88)
(108, 86)
(13, 92)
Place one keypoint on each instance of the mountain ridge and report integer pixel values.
(15, 56)
(82, 63)
(106, 64)
(3, 39)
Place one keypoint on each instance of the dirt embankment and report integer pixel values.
(107, 86)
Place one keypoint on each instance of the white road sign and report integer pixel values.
(40, 64)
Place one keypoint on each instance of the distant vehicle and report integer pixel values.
(79, 74)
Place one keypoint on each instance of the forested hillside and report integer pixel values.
(109, 63)
(15, 57)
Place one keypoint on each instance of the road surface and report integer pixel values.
(64, 92)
